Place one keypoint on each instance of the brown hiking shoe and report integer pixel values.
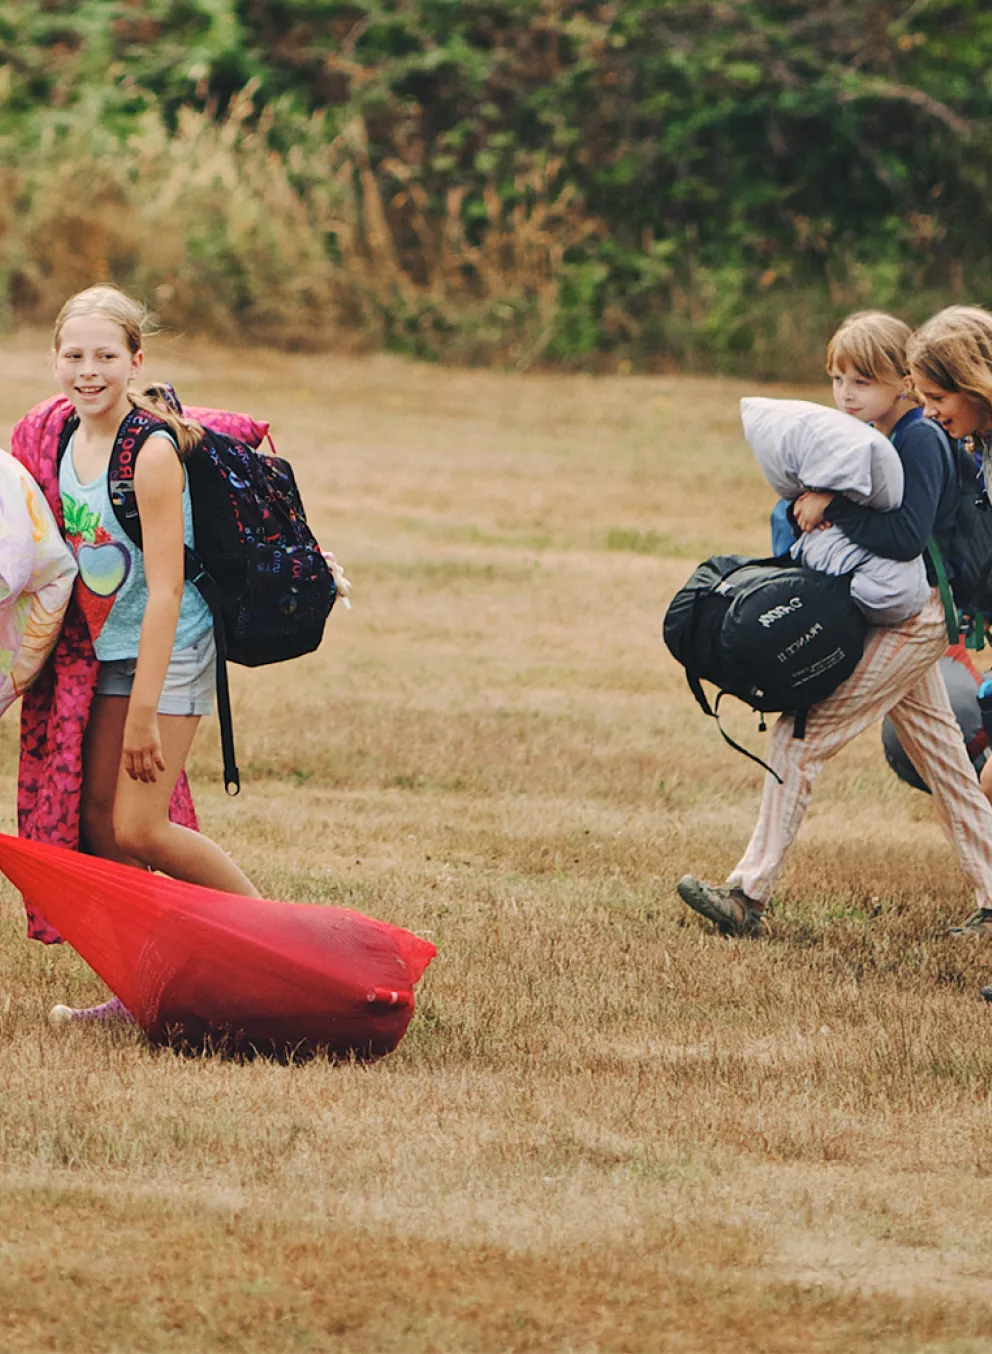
(978, 924)
(734, 913)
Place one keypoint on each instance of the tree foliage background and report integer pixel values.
(705, 182)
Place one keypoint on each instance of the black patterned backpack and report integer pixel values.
(256, 562)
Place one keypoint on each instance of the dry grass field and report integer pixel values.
(608, 1131)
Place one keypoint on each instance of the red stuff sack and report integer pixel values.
(192, 963)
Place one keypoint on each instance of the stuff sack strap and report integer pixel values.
(751, 756)
(691, 675)
(696, 687)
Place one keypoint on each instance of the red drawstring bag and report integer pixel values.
(192, 963)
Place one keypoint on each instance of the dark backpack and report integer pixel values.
(963, 682)
(966, 543)
(255, 563)
(776, 635)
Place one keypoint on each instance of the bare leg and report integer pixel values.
(128, 821)
(101, 771)
(143, 831)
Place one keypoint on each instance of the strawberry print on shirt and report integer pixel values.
(103, 563)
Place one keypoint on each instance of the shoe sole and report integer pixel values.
(694, 896)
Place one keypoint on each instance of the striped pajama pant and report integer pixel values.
(898, 676)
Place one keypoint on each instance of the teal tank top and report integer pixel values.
(111, 585)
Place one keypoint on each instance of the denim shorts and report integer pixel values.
(190, 680)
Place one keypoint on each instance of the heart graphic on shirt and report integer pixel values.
(103, 568)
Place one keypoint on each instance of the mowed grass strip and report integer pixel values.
(607, 1129)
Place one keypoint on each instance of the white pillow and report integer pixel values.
(801, 445)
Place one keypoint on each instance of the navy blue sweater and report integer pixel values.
(928, 505)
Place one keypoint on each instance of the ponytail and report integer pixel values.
(161, 402)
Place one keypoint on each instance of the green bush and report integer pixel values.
(659, 181)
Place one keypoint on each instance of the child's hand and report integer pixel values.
(142, 748)
(809, 508)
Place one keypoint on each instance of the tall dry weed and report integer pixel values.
(504, 273)
(312, 245)
(218, 231)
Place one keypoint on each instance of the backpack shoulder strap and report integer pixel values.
(132, 435)
(65, 437)
(958, 471)
(951, 620)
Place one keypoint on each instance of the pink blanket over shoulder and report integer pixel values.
(55, 709)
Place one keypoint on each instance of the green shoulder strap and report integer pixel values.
(950, 610)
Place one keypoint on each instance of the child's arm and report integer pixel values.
(810, 510)
(159, 479)
(903, 533)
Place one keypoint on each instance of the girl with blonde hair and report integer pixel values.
(150, 630)
(868, 363)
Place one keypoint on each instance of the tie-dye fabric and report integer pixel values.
(36, 575)
(56, 707)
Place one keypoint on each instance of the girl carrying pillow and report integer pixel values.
(898, 673)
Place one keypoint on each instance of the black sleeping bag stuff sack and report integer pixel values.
(770, 632)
